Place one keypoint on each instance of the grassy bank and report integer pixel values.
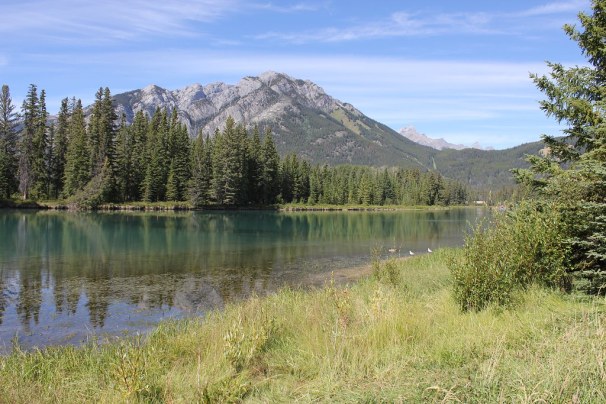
(353, 207)
(182, 206)
(396, 336)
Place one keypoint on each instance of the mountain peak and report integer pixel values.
(151, 88)
(439, 144)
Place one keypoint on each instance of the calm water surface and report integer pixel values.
(65, 277)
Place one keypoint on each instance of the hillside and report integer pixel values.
(484, 167)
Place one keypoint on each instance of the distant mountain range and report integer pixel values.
(438, 144)
(317, 127)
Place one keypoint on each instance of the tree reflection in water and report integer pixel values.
(65, 274)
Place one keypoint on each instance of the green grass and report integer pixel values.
(397, 336)
(326, 206)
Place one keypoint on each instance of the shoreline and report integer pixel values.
(186, 207)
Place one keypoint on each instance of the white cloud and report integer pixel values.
(77, 21)
(555, 8)
(407, 24)
(399, 24)
(295, 8)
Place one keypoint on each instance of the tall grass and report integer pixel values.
(394, 338)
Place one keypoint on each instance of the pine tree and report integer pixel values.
(172, 184)
(138, 130)
(234, 154)
(156, 175)
(27, 151)
(180, 160)
(59, 148)
(8, 144)
(124, 161)
(270, 166)
(254, 167)
(42, 152)
(573, 172)
(77, 158)
(201, 181)
(218, 168)
(101, 131)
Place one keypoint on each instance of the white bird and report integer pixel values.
(411, 253)
(392, 250)
(429, 249)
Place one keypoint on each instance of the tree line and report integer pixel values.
(92, 157)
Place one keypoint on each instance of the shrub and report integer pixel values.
(385, 271)
(519, 248)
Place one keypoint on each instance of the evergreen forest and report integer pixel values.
(91, 156)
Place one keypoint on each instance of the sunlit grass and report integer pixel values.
(396, 336)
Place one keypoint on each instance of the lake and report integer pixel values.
(66, 277)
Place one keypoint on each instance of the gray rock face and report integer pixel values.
(303, 118)
(263, 99)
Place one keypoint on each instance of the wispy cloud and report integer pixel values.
(415, 24)
(295, 8)
(397, 25)
(109, 19)
(555, 8)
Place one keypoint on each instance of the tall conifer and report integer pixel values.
(8, 144)
(77, 158)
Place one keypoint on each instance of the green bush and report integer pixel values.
(519, 248)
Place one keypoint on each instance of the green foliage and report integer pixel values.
(97, 191)
(8, 144)
(77, 173)
(572, 172)
(270, 166)
(59, 149)
(158, 158)
(520, 248)
(385, 271)
(200, 188)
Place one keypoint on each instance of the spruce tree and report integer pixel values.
(42, 152)
(201, 181)
(270, 166)
(27, 149)
(180, 160)
(124, 162)
(234, 155)
(138, 131)
(156, 175)
(218, 168)
(77, 158)
(573, 171)
(8, 144)
(101, 131)
(59, 148)
(254, 167)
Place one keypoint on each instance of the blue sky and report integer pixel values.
(452, 69)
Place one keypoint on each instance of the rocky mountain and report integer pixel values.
(303, 118)
(317, 127)
(438, 144)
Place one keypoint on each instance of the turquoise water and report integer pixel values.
(67, 277)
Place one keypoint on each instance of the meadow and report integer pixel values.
(395, 336)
